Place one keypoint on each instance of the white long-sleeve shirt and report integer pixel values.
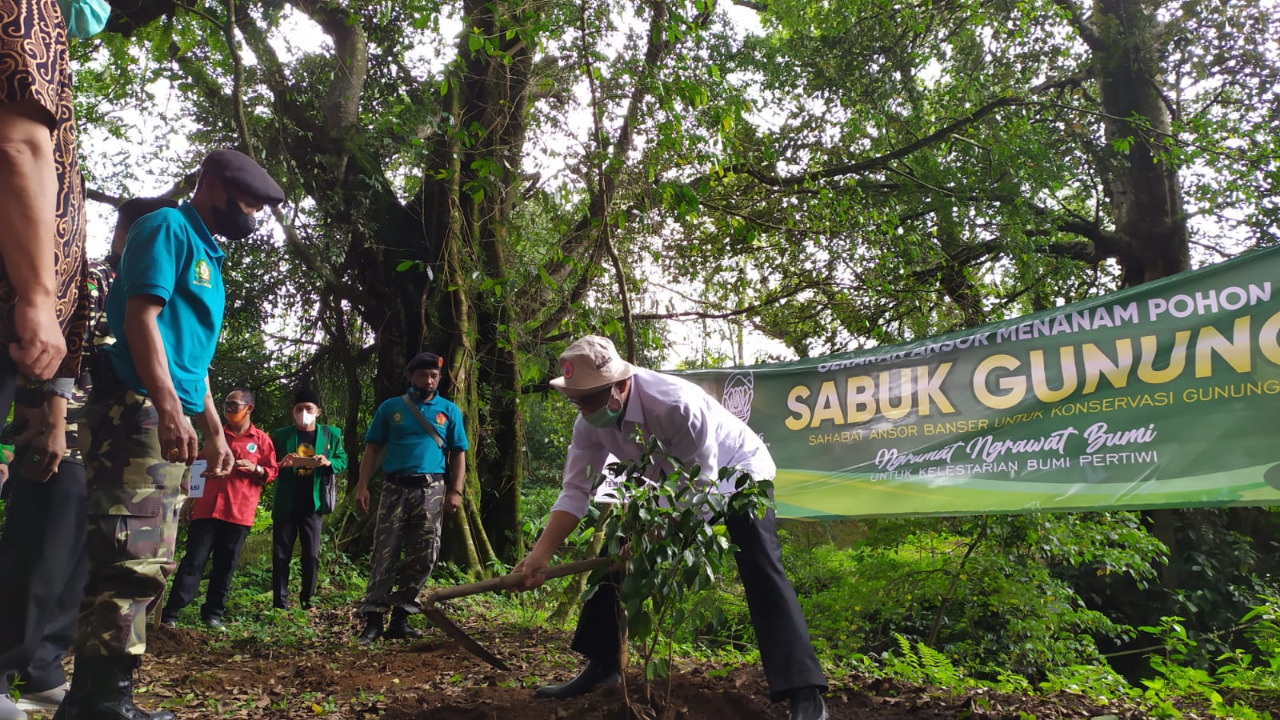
(689, 423)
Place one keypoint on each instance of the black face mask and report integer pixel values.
(233, 223)
(421, 394)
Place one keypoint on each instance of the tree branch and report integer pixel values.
(882, 161)
(604, 189)
(1083, 25)
(583, 239)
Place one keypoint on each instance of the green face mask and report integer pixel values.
(604, 416)
(84, 18)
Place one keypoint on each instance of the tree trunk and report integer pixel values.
(1142, 176)
(493, 83)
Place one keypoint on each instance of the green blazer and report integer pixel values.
(292, 490)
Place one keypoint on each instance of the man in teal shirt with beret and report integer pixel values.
(422, 436)
(165, 311)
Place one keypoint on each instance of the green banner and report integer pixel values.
(1163, 395)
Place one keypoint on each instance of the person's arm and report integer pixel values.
(368, 466)
(221, 460)
(457, 483)
(28, 209)
(178, 441)
(559, 525)
(46, 435)
(586, 456)
(337, 453)
(268, 468)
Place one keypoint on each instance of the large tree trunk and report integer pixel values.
(493, 83)
(1141, 175)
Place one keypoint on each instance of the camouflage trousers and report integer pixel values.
(134, 498)
(409, 521)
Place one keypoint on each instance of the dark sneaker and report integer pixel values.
(45, 701)
(807, 704)
(9, 710)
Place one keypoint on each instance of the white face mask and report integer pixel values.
(306, 419)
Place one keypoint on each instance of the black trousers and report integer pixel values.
(785, 650)
(43, 569)
(284, 534)
(205, 537)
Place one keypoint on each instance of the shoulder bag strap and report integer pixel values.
(431, 429)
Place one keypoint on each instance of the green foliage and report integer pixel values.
(923, 665)
(1239, 681)
(985, 591)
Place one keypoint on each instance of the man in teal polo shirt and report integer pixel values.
(422, 435)
(165, 310)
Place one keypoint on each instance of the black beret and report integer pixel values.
(426, 360)
(307, 395)
(242, 173)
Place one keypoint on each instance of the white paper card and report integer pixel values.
(197, 478)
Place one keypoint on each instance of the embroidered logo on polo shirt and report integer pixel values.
(395, 417)
(251, 447)
(204, 273)
(441, 419)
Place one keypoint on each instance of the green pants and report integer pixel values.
(134, 498)
(408, 523)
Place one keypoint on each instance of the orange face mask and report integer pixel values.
(236, 417)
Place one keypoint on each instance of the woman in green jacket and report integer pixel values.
(310, 458)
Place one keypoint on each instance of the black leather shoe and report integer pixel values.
(807, 704)
(592, 676)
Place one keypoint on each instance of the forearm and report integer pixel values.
(559, 525)
(368, 464)
(210, 423)
(149, 357)
(28, 192)
(458, 472)
(57, 408)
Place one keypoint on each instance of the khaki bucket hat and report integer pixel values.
(589, 363)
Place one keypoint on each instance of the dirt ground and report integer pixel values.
(200, 674)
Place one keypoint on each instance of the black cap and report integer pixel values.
(241, 173)
(426, 360)
(307, 395)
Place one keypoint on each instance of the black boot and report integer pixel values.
(102, 689)
(372, 628)
(594, 675)
(399, 626)
(70, 709)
